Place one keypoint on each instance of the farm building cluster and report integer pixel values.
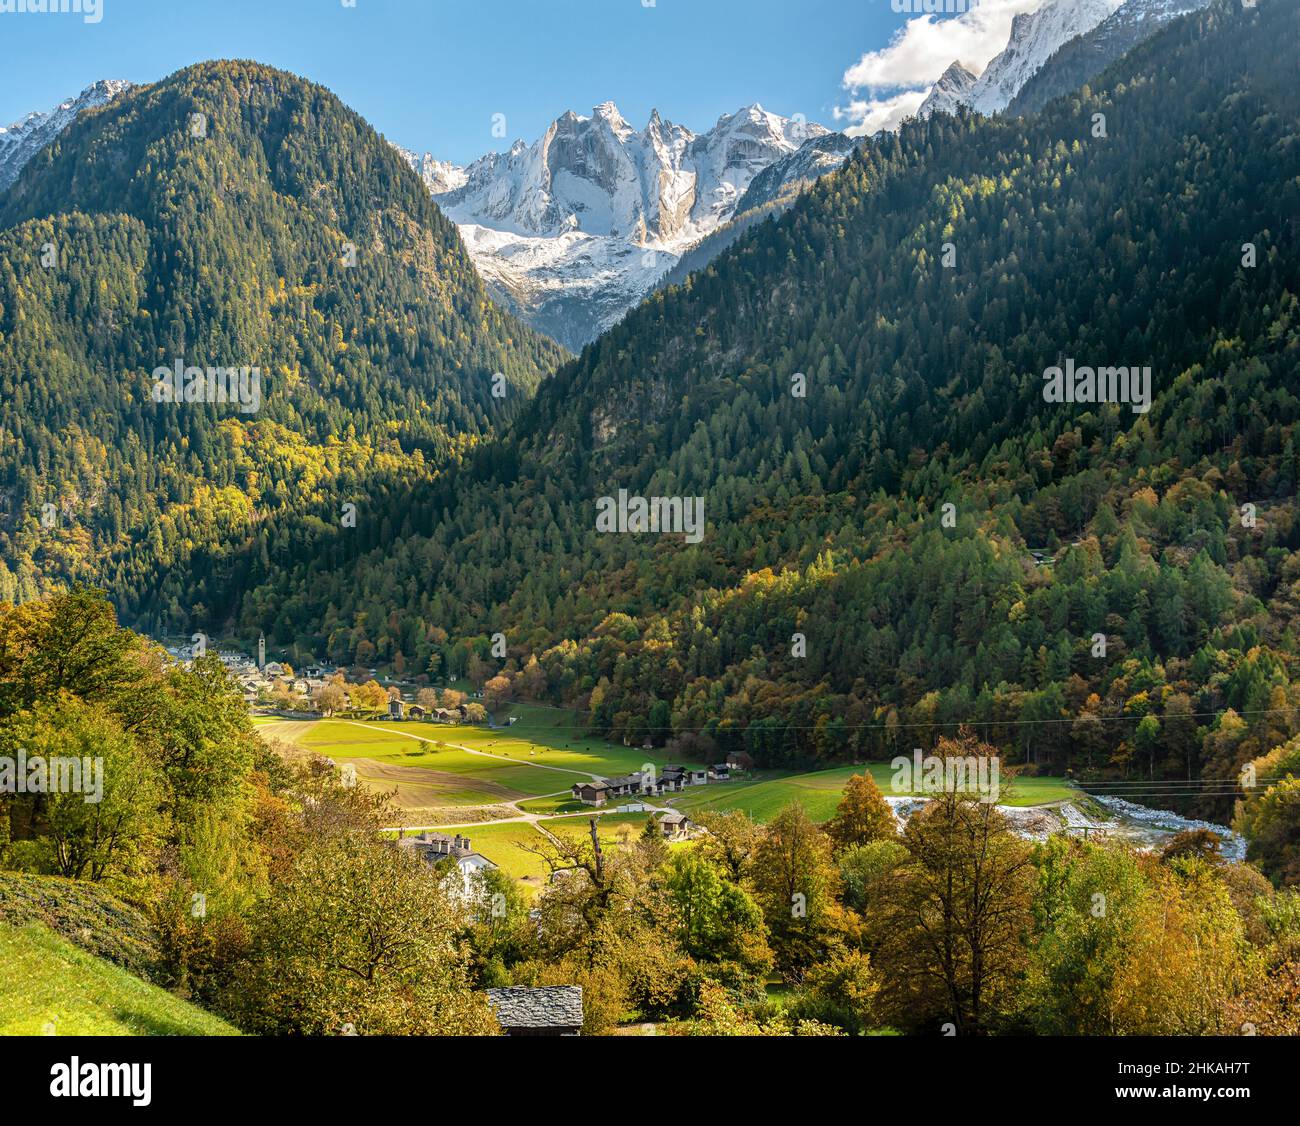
(655, 782)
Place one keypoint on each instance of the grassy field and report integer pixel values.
(425, 770)
(819, 793)
(414, 760)
(501, 843)
(763, 798)
(436, 778)
(52, 987)
(553, 805)
(549, 737)
(613, 826)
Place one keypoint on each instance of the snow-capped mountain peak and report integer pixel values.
(438, 175)
(23, 139)
(1088, 55)
(1035, 37)
(1138, 18)
(607, 113)
(786, 177)
(662, 186)
(951, 91)
(576, 227)
(1158, 11)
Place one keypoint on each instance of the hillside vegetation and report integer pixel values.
(1164, 241)
(209, 219)
(85, 914)
(51, 987)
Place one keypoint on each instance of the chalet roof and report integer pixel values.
(672, 817)
(548, 1006)
(437, 846)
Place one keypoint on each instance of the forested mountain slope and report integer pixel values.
(213, 219)
(1120, 246)
(924, 387)
(1087, 55)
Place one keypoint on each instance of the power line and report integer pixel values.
(948, 723)
(1175, 783)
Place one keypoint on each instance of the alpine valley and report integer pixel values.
(923, 387)
(639, 502)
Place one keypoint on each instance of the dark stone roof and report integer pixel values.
(437, 846)
(549, 1006)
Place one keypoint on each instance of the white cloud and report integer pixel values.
(871, 116)
(897, 77)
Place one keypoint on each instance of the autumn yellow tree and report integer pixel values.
(948, 927)
(796, 883)
(359, 937)
(731, 836)
(862, 816)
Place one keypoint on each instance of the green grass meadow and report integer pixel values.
(51, 987)
(765, 795)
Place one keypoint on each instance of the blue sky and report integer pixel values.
(431, 73)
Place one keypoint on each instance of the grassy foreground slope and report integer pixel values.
(85, 914)
(51, 987)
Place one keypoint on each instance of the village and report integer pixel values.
(272, 687)
(485, 786)
(274, 690)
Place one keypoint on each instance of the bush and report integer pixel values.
(85, 915)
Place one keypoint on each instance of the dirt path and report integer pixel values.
(524, 818)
